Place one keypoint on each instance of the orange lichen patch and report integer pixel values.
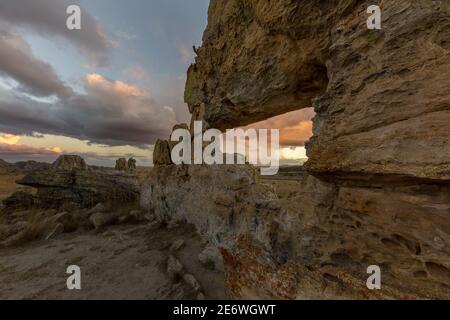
(249, 271)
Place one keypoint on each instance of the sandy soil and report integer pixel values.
(121, 262)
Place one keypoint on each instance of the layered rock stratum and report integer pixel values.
(377, 186)
(70, 181)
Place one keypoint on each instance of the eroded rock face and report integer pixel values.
(121, 164)
(161, 153)
(339, 230)
(377, 187)
(131, 164)
(387, 107)
(213, 198)
(82, 187)
(317, 245)
(260, 59)
(381, 96)
(69, 162)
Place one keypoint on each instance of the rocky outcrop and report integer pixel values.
(260, 59)
(387, 103)
(22, 167)
(161, 153)
(30, 166)
(69, 162)
(187, 194)
(121, 164)
(84, 188)
(316, 245)
(381, 96)
(376, 190)
(131, 164)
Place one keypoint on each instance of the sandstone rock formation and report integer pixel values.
(85, 188)
(377, 186)
(373, 90)
(69, 162)
(316, 245)
(131, 164)
(161, 154)
(121, 164)
(206, 196)
(22, 167)
(30, 166)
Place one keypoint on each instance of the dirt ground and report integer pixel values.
(122, 262)
(117, 262)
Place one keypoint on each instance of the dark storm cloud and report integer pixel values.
(34, 76)
(110, 113)
(48, 18)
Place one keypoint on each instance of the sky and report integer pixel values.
(108, 90)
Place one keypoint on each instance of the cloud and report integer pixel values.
(295, 127)
(19, 151)
(111, 113)
(136, 73)
(48, 18)
(125, 35)
(9, 139)
(34, 76)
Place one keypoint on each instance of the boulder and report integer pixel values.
(211, 258)
(191, 281)
(84, 188)
(67, 220)
(56, 231)
(103, 219)
(99, 207)
(174, 269)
